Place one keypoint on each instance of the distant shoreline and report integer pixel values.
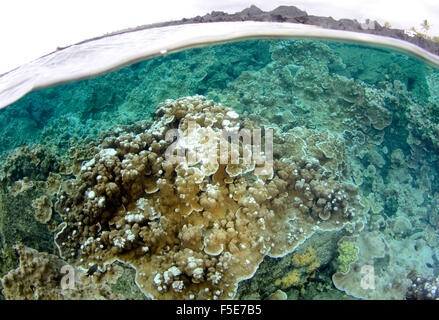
(291, 14)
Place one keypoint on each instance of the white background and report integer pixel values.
(32, 28)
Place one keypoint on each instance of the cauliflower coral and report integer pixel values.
(192, 221)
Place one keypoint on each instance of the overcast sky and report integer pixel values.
(32, 28)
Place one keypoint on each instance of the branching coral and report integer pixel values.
(195, 224)
(347, 253)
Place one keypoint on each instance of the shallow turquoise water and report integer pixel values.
(370, 116)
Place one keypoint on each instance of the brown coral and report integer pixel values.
(193, 226)
(41, 276)
(43, 209)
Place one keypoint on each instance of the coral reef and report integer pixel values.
(43, 209)
(18, 222)
(84, 109)
(196, 229)
(352, 185)
(305, 84)
(35, 163)
(40, 277)
(382, 267)
(29, 180)
(278, 295)
(323, 246)
(304, 265)
(347, 253)
(30, 177)
(422, 288)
